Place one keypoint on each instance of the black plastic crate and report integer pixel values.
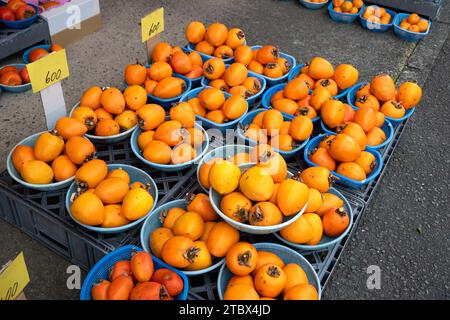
(204, 286)
(15, 40)
(42, 215)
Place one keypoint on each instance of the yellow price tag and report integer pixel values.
(14, 279)
(48, 70)
(152, 24)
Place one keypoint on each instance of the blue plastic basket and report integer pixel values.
(355, 184)
(168, 167)
(408, 35)
(274, 81)
(342, 16)
(16, 89)
(313, 5)
(265, 101)
(286, 254)
(206, 57)
(377, 27)
(251, 100)
(21, 24)
(296, 71)
(167, 103)
(387, 128)
(26, 54)
(326, 241)
(224, 152)
(247, 120)
(101, 271)
(351, 98)
(153, 222)
(206, 123)
(136, 175)
(216, 198)
(107, 139)
(30, 141)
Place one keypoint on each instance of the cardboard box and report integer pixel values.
(73, 20)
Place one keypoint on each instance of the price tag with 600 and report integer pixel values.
(152, 24)
(48, 70)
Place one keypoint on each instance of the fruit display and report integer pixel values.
(268, 61)
(215, 40)
(35, 53)
(377, 15)
(168, 60)
(344, 154)
(382, 96)
(349, 7)
(110, 196)
(46, 158)
(138, 279)
(17, 10)
(187, 235)
(257, 274)
(216, 106)
(414, 23)
(261, 195)
(327, 217)
(171, 140)
(282, 133)
(167, 85)
(14, 75)
(104, 112)
(235, 79)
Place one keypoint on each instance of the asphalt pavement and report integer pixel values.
(405, 228)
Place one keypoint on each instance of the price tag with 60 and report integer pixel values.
(48, 70)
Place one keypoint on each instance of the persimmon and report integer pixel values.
(201, 204)
(317, 177)
(413, 18)
(326, 141)
(267, 257)
(346, 76)
(382, 86)
(255, 67)
(170, 280)
(241, 258)
(355, 131)
(149, 291)
(265, 213)
(221, 238)
(301, 292)
(135, 74)
(137, 203)
(216, 34)
(211, 98)
(317, 228)
(335, 222)
(160, 70)
(37, 172)
(274, 164)
(243, 54)
(366, 118)
(183, 113)
(170, 132)
(423, 25)
(224, 177)
(329, 200)
(375, 137)
(246, 280)
(113, 217)
(349, 113)
(37, 54)
(111, 190)
(363, 91)
(48, 146)
(190, 225)
(235, 74)
(236, 206)
(299, 231)
(393, 109)
(113, 100)
(255, 133)
(320, 68)
(223, 52)
(409, 94)
(284, 64)
(234, 107)
(235, 38)
(380, 119)
(292, 196)
(11, 78)
(285, 105)
(240, 292)
(87, 209)
(204, 172)
(120, 288)
(107, 127)
(20, 155)
(86, 116)
(169, 88)
(283, 142)
(295, 276)
(92, 97)
(91, 173)
(150, 116)
(333, 113)
(195, 32)
(102, 114)
(328, 84)
(205, 47)
(351, 170)
(270, 280)
(301, 128)
(296, 89)
(216, 116)
(368, 101)
(196, 59)
(344, 148)
(158, 152)
(307, 79)
(267, 54)
(168, 217)
(319, 97)
(197, 107)
(126, 120)
(256, 184)
(321, 157)
(272, 121)
(162, 52)
(252, 84)
(100, 289)
(180, 63)
(179, 251)
(273, 70)
(202, 258)
(141, 265)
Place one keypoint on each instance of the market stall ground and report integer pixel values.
(389, 228)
